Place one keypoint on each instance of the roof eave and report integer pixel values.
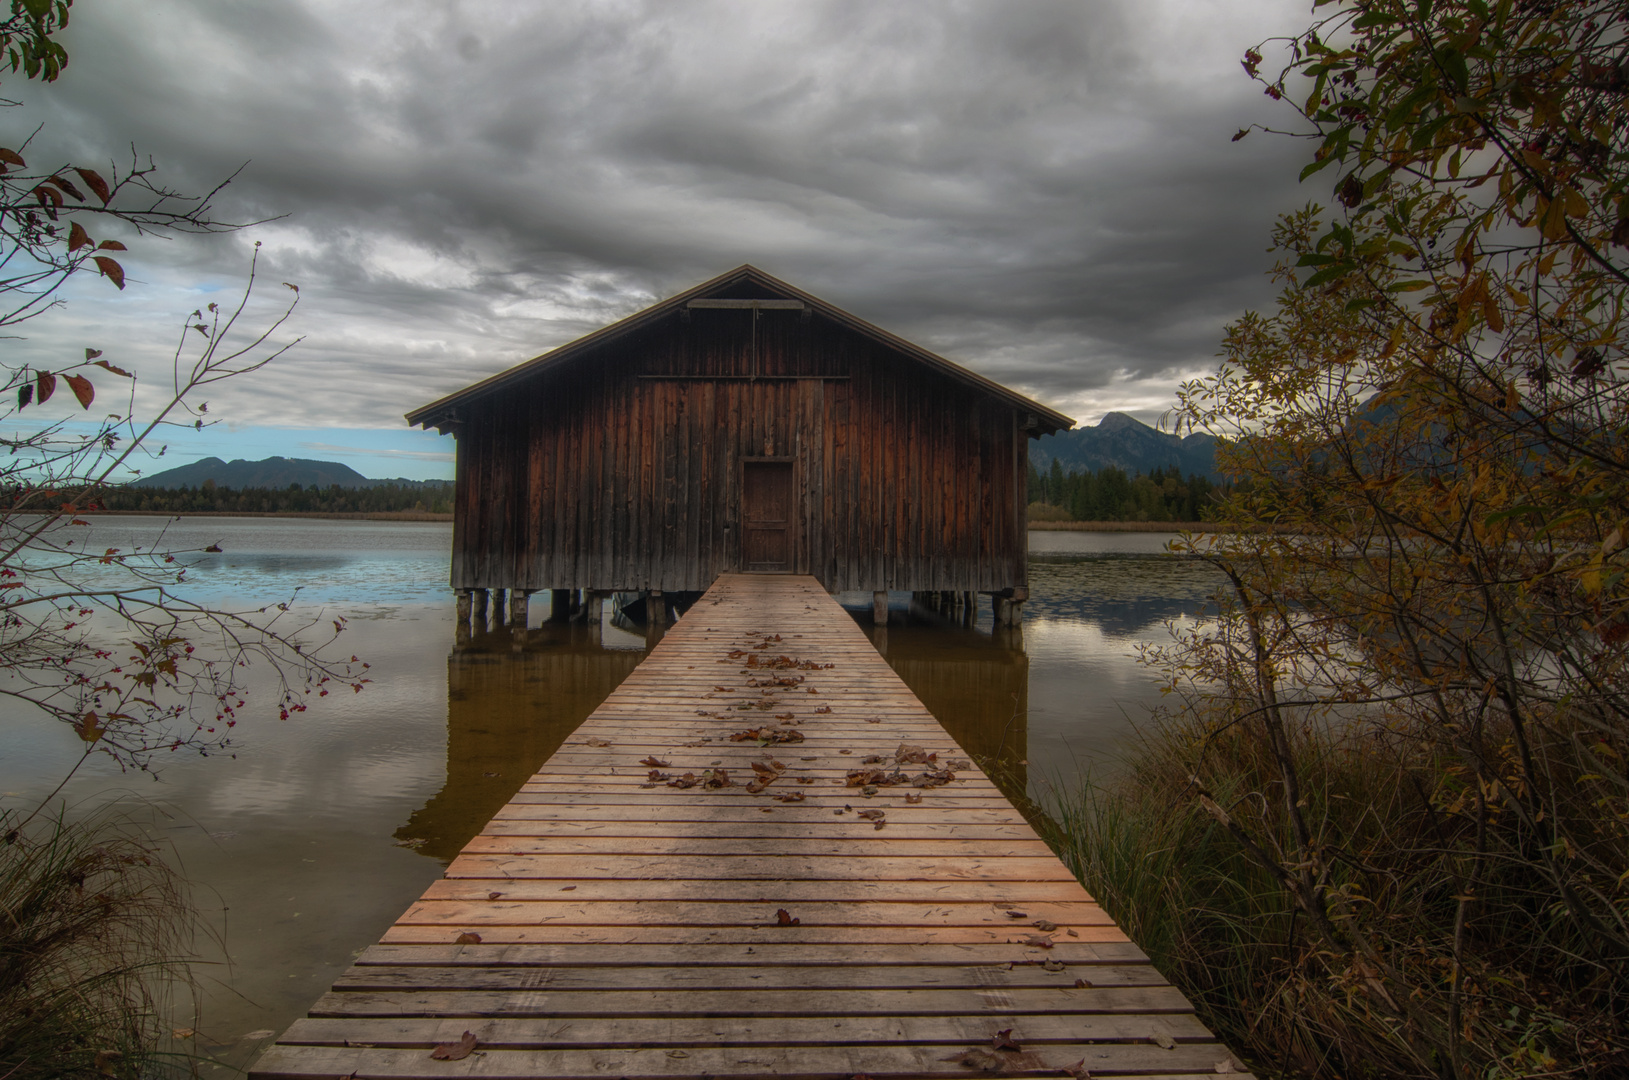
(1045, 420)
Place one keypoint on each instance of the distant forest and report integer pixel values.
(1110, 494)
(292, 499)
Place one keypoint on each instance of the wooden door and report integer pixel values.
(768, 513)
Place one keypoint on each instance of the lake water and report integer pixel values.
(306, 845)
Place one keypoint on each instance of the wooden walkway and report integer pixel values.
(608, 923)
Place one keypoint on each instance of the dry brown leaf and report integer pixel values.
(1046, 926)
(1052, 965)
(790, 796)
(1163, 1041)
(655, 762)
(913, 798)
(912, 755)
(598, 742)
(455, 1051)
(1038, 941)
(1014, 913)
(1003, 1040)
(1078, 1070)
(784, 918)
(468, 937)
(979, 1058)
(493, 895)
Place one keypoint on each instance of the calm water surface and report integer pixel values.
(306, 845)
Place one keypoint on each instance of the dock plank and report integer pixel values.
(609, 923)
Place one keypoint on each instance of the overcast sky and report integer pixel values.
(1044, 192)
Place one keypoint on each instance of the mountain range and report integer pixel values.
(273, 472)
(1125, 443)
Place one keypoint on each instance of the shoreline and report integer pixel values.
(1141, 526)
(427, 516)
(333, 515)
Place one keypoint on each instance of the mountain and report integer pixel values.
(1127, 443)
(273, 472)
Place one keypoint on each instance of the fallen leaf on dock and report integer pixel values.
(913, 755)
(717, 778)
(790, 796)
(468, 937)
(1163, 1041)
(493, 895)
(457, 1051)
(1082, 984)
(567, 888)
(956, 763)
(1003, 1040)
(655, 762)
(784, 918)
(1052, 965)
(688, 780)
(823, 708)
(1038, 941)
(913, 798)
(876, 816)
(1046, 926)
(1078, 1070)
(598, 742)
(1014, 913)
(979, 1058)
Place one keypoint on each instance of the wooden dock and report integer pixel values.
(647, 906)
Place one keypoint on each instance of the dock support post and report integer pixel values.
(499, 597)
(559, 605)
(1009, 609)
(594, 610)
(879, 607)
(478, 607)
(519, 605)
(655, 608)
(464, 604)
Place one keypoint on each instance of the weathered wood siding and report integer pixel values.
(625, 472)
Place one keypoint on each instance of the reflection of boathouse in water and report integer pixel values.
(509, 710)
(741, 425)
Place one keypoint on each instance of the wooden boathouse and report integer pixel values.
(742, 425)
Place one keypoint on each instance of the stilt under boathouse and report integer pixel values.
(742, 425)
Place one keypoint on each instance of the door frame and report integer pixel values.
(800, 526)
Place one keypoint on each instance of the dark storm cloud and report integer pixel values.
(1043, 191)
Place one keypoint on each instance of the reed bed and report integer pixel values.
(95, 929)
(1505, 990)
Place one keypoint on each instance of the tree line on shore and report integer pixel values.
(211, 498)
(1111, 494)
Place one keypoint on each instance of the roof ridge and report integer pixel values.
(425, 415)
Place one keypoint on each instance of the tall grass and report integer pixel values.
(1528, 999)
(94, 929)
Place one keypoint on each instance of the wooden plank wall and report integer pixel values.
(623, 472)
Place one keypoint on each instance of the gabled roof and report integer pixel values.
(439, 412)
